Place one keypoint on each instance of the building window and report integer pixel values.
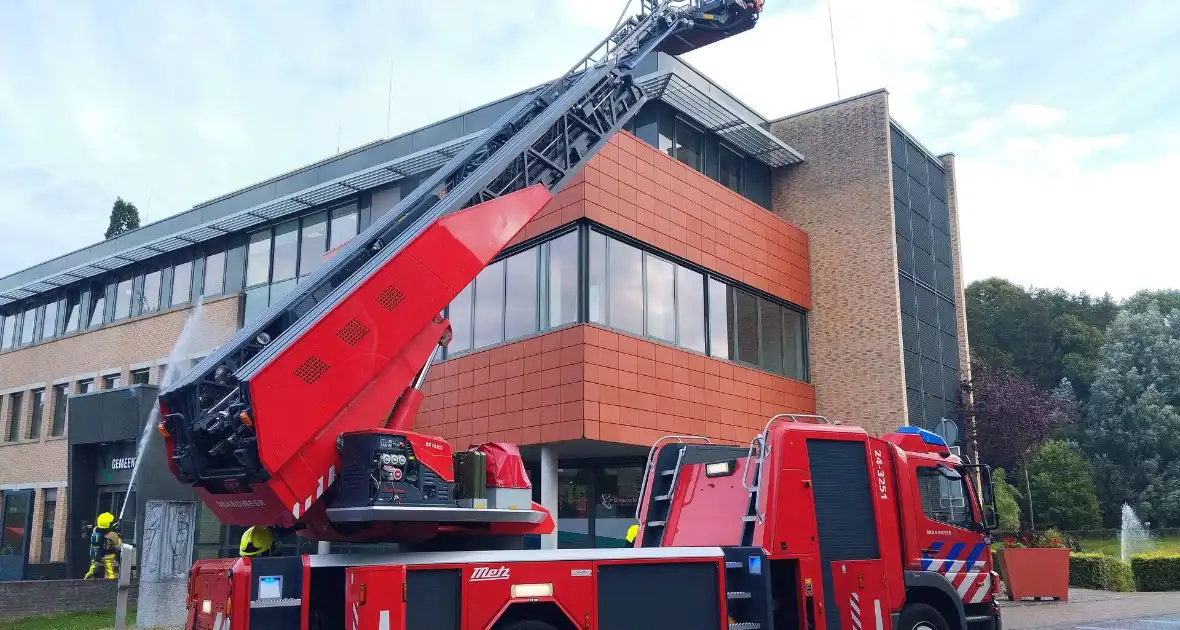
(48, 516)
(86, 386)
(489, 305)
(73, 315)
(563, 280)
(60, 396)
(149, 300)
(123, 300)
(97, 307)
(313, 243)
(182, 283)
(690, 309)
(49, 320)
(28, 324)
(285, 261)
(258, 259)
(624, 294)
(689, 145)
(8, 331)
(344, 226)
(14, 410)
(140, 377)
(459, 312)
(730, 169)
(112, 381)
(17, 505)
(521, 294)
(631, 290)
(38, 414)
(214, 274)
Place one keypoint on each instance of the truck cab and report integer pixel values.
(857, 531)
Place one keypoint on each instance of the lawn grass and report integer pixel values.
(67, 621)
(1110, 546)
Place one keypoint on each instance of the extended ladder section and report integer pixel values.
(213, 417)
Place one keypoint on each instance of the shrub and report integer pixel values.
(1064, 494)
(1006, 504)
(1095, 570)
(1156, 571)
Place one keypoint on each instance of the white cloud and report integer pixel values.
(1036, 115)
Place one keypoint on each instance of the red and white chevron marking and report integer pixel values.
(972, 583)
(297, 508)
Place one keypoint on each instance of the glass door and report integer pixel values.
(111, 500)
(16, 519)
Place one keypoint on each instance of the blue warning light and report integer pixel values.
(928, 437)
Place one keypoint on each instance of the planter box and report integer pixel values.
(1036, 572)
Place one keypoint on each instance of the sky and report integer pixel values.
(1061, 115)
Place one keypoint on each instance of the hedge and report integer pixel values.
(1098, 571)
(1156, 571)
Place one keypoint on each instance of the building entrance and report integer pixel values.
(110, 499)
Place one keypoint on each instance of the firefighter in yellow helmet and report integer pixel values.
(105, 545)
(632, 533)
(257, 541)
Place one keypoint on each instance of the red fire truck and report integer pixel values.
(301, 422)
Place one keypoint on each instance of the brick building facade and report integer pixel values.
(696, 278)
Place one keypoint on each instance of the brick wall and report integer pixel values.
(841, 196)
(589, 382)
(632, 187)
(44, 597)
(91, 354)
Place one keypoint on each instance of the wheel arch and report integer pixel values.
(933, 589)
(544, 611)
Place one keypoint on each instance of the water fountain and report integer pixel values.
(1133, 536)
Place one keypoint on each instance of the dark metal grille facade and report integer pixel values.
(926, 282)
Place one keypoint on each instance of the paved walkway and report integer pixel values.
(1095, 610)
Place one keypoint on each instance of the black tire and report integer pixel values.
(528, 624)
(921, 617)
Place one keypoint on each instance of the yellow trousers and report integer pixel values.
(108, 561)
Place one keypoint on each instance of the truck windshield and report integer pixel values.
(944, 500)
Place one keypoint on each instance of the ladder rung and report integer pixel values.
(733, 565)
(656, 523)
(663, 497)
(737, 595)
(668, 473)
(745, 625)
(749, 519)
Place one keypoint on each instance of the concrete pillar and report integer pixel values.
(549, 492)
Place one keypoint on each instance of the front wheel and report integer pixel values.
(921, 617)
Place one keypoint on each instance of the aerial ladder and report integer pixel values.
(258, 427)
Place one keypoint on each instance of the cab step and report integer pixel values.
(737, 595)
(745, 625)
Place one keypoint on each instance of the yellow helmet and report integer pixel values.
(105, 520)
(632, 532)
(256, 541)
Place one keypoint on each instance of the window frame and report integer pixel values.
(923, 470)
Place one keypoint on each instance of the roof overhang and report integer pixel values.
(327, 192)
(747, 136)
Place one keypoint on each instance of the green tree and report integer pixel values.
(1006, 503)
(124, 218)
(1041, 334)
(1133, 421)
(1063, 491)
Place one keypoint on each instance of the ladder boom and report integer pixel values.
(211, 423)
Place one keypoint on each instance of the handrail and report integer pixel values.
(651, 454)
